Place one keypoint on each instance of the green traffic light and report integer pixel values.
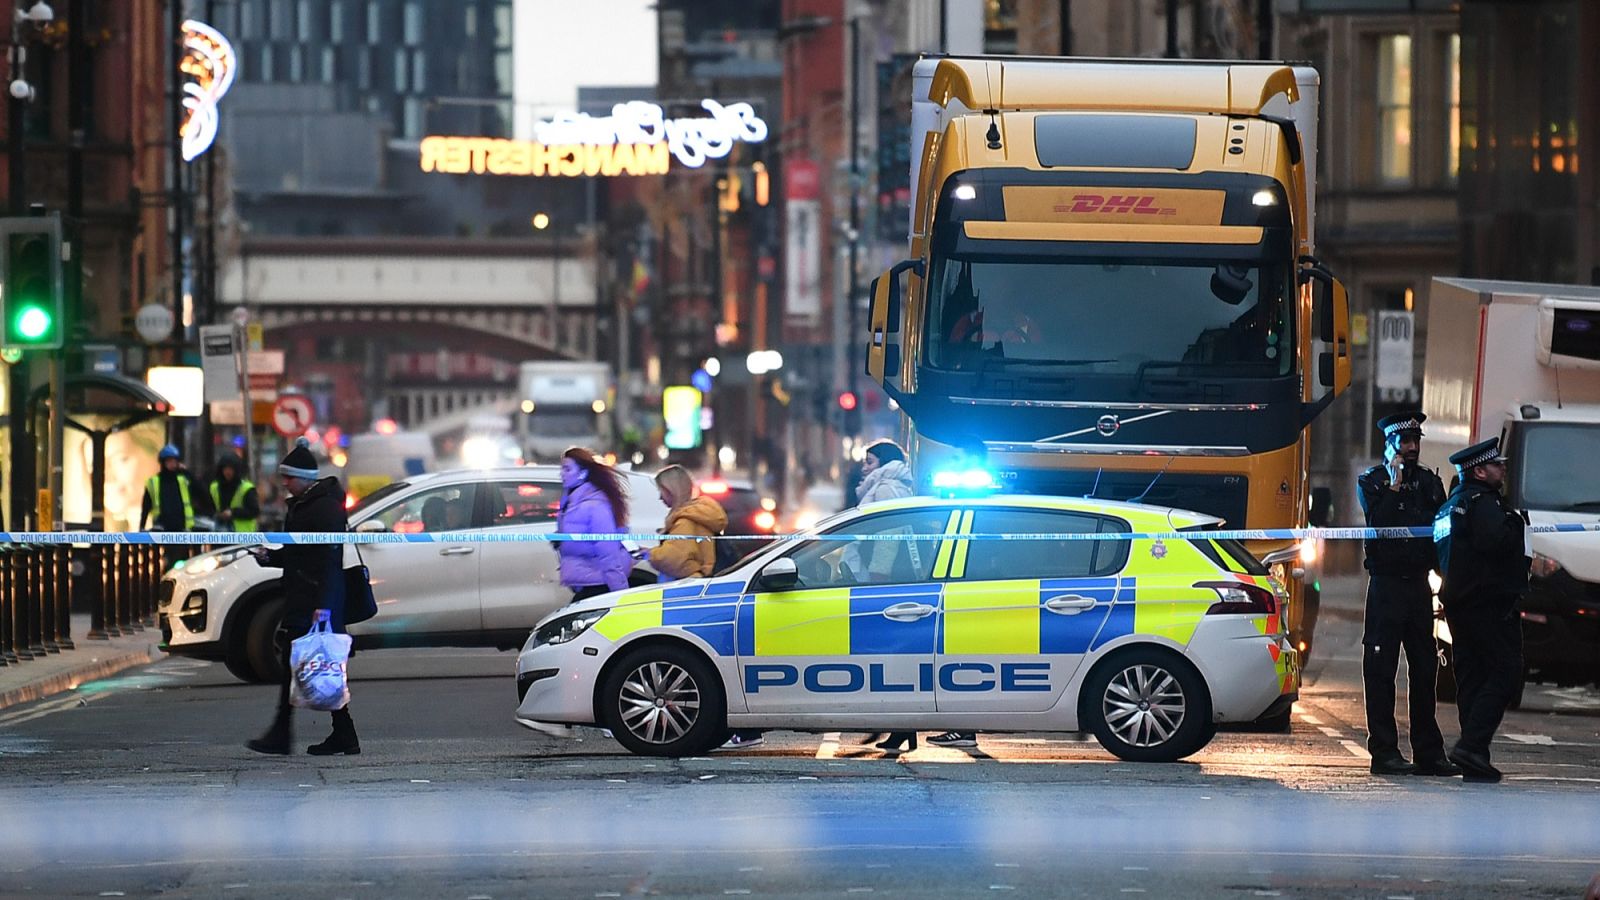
(33, 323)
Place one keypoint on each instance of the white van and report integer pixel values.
(376, 459)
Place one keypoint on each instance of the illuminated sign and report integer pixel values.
(209, 59)
(681, 408)
(636, 139)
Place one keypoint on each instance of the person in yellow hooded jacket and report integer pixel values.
(687, 514)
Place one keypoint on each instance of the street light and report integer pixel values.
(540, 221)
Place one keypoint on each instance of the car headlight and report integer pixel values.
(215, 561)
(1544, 566)
(566, 628)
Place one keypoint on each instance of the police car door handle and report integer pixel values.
(456, 551)
(908, 612)
(1069, 604)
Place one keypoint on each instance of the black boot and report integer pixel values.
(342, 740)
(898, 740)
(277, 738)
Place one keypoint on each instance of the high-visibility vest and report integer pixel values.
(153, 488)
(245, 487)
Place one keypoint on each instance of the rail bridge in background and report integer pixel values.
(427, 331)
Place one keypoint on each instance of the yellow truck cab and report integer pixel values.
(1111, 287)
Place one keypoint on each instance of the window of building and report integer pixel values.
(330, 64)
(413, 23)
(1452, 99)
(364, 69)
(282, 20)
(297, 64)
(402, 68)
(305, 22)
(419, 72)
(266, 64)
(502, 72)
(1394, 109)
(413, 118)
(337, 11)
(503, 32)
(469, 22)
(250, 19)
(374, 22)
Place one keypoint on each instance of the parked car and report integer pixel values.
(750, 513)
(223, 606)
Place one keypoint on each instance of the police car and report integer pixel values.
(1148, 643)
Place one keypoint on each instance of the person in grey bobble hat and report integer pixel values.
(313, 579)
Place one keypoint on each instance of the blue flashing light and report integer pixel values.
(963, 482)
(238, 441)
(702, 380)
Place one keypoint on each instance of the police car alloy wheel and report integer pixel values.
(1147, 706)
(664, 700)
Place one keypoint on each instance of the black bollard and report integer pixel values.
(8, 656)
(97, 577)
(45, 586)
(33, 602)
(63, 561)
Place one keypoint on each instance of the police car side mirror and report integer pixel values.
(779, 575)
(371, 526)
(1286, 555)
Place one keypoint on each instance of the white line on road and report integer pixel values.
(1309, 719)
(1356, 750)
(829, 745)
(49, 707)
(1330, 732)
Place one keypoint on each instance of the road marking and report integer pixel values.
(49, 707)
(1356, 750)
(1551, 778)
(1309, 719)
(829, 745)
(1330, 732)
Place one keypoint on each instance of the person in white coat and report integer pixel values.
(884, 476)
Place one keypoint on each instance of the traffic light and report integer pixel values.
(847, 400)
(850, 413)
(31, 309)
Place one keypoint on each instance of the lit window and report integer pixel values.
(1452, 161)
(1394, 109)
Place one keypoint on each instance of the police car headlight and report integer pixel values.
(566, 628)
(207, 564)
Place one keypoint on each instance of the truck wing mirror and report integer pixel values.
(883, 354)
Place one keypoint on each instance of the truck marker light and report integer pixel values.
(965, 192)
(1264, 197)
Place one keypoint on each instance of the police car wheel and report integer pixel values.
(664, 700)
(1144, 706)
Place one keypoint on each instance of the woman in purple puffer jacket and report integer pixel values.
(594, 502)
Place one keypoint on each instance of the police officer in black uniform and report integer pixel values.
(1483, 558)
(1401, 493)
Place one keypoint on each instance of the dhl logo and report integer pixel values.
(1116, 205)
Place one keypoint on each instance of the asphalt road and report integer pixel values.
(139, 786)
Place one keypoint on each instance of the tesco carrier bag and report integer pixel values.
(317, 662)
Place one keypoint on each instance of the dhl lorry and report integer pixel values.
(1110, 288)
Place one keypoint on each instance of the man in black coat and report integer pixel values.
(313, 579)
(1401, 493)
(1484, 559)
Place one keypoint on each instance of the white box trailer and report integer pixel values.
(564, 403)
(1521, 361)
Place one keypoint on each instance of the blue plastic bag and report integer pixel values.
(317, 662)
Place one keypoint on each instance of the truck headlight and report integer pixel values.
(566, 628)
(1544, 566)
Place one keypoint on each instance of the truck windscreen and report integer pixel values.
(1554, 467)
(1202, 318)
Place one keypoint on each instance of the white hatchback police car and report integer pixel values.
(1148, 643)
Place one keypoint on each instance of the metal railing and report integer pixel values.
(39, 584)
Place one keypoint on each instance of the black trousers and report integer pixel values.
(1400, 617)
(1488, 657)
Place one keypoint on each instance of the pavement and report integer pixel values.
(88, 660)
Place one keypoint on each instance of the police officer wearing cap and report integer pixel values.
(1483, 558)
(1401, 493)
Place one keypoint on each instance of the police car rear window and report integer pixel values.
(1114, 142)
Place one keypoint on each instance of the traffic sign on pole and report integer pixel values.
(292, 415)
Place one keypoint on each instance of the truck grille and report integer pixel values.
(1224, 496)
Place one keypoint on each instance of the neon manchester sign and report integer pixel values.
(636, 139)
(209, 59)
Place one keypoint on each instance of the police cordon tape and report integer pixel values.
(250, 538)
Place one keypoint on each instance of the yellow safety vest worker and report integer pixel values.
(237, 503)
(153, 488)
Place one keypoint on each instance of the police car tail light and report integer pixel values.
(1236, 598)
(1544, 566)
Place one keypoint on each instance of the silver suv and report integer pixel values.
(222, 606)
